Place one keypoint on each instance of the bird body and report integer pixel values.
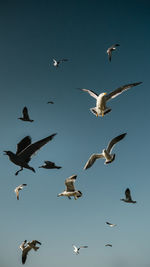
(108, 245)
(26, 247)
(128, 198)
(18, 188)
(56, 63)
(101, 108)
(106, 153)
(25, 115)
(50, 165)
(70, 189)
(25, 150)
(111, 224)
(110, 50)
(76, 249)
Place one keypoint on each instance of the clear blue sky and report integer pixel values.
(32, 33)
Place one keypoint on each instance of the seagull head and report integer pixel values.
(8, 153)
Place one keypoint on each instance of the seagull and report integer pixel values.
(25, 150)
(128, 198)
(101, 100)
(76, 250)
(110, 49)
(50, 102)
(26, 247)
(57, 62)
(111, 224)
(50, 165)
(70, 189)
(25, 115)
(106, 153)
(18, 188)
(108, 245)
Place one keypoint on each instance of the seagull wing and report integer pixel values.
(83, 246)
(128, 194)
(25, 142)
(120, 90)
(25, 253)
(115, 141)
(75, 247)
(90, 92)
(31, 149)
(92, 159)
(34, 242)
(109, 52)
(25, 113)
(17, 192)
(69, 182)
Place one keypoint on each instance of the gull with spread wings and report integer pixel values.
(76, 250)
(18, 188)
(111, 49)
(25, 115)
(26, 247)
(56, 63)
(106, 153)
(25, 150)
(128, 198)
(70, 188)
(101, 108)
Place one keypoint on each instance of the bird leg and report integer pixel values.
(21, 169)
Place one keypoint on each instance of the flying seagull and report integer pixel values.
(111, 224)
(106, 153)
(70, 189)
(50, 165)
(108, 245)
(25, 150)
(18, 188)
(26, 247)
(128, 198)
(111, 49)
(25, 115)
(76, 250)
(101, 100)
(56, 63)
(50, 102)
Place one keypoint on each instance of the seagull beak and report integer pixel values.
(96, 114)
(5, 152)
(105, 93)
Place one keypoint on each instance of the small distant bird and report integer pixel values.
(18, 188)
(76, 250)
(26, 247)
(128, 198)
(106, 153)
(50, 165)
(25, 150)
(25, 115)
(70, 189)
(101, 100)
(108, 245)
(111, 224)
(50, 102)
(56, 63)
(111, 49)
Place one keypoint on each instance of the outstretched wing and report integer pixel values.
(25, 253)
(83, 246)
(34, 242)
(31, 149)
(69, 182)
(120, 90)
(25, 142)
(115, 141)
(128, 194)
(92, 159)
(90, 92)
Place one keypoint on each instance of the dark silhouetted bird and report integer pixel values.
(25, 150)
(50, 102)
(128, 198)
(25, 115)
(49, 165)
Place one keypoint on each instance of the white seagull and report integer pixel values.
(57, 62)
(111, 49)
(76, 250)
(128, 198)
(106, 153)
(18, 188)
(70, 188)
(26, 247)
(111, 224)
(101, 100)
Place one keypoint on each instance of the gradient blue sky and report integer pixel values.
(32, 33)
